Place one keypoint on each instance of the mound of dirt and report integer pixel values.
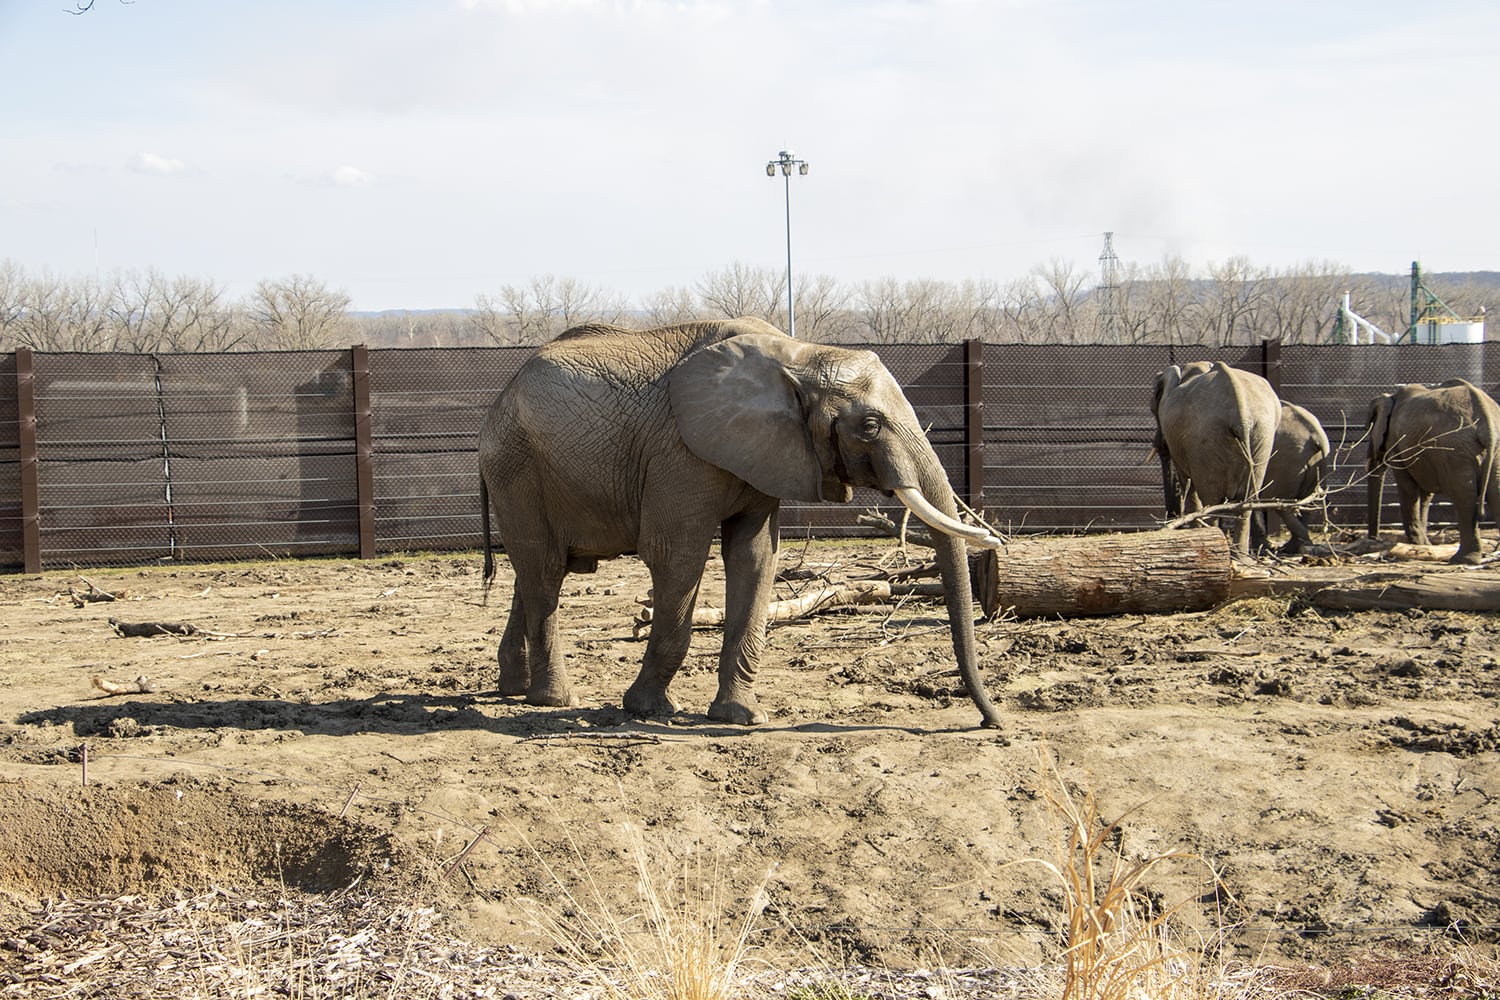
(176, 835)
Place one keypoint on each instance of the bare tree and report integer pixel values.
(823, 313)
(151, 312)
(671, 306)
(742, 290)
(298, 313)
(885, 311)
(1234, 297)
(1298, 305)
(542, 309)
(1167, 301)
(1064, 300)
(12, 301)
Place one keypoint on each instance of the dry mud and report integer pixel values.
(1335, 774)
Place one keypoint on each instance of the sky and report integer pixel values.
(419, 154)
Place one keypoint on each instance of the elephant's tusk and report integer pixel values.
(918, 505)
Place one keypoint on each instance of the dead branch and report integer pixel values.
(93, 594)
(144, 629)
(138, 686)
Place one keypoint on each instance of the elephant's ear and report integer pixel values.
(738, 407)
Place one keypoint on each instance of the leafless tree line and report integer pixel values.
(146, 311)
(1232, 302)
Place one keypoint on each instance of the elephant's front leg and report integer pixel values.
(676, 573)
(750, 542)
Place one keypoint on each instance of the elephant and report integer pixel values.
(1435, 439)
(1215, 427)
(1299, 466)
(611, 441)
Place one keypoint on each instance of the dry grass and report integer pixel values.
(689, 938)
(1119, 944)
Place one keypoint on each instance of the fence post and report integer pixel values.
(31, 506)
(974, 422)
(364, 450)
(1270, 362)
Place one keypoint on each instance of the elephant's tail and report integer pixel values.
(489, 546)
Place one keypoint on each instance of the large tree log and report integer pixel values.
(1068, 576)
(1136, 572)
(1436, 591)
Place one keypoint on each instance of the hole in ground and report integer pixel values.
(147, 839)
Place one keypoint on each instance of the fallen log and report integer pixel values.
(1456, 590)
(1068, 576)
(1110, 574)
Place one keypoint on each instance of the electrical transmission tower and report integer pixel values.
(1109, 292)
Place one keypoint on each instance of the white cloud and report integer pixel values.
(153, 163)
(350, 177)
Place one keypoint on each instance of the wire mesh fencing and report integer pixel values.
(127, 459)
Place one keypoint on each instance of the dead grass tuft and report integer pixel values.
(687, 940)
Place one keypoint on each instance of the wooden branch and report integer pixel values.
(137, 629)
(915, 534)
(1241, 507)
(138, 686)
(855, 592)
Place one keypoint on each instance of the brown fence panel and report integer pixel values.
(426, 407)
(262, 454)
(193, 456)
(12, 552)
(101, 481)
(144, 458)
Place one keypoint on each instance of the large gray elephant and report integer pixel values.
(1297, 470)
(612, 441)
(1215, 427)
(1436, 439)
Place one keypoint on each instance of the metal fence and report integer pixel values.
(124, 459)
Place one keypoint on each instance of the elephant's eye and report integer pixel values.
(869, 430)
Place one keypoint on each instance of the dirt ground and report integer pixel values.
(334, 721)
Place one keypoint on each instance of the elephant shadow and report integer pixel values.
(401, 714)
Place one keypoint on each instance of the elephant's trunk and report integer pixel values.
(953, 562)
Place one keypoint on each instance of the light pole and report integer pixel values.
(786, 160)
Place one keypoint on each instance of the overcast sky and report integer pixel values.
(416, 154)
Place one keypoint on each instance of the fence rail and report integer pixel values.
(127, 459)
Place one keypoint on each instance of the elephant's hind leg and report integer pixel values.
(537, 589)
(515, 672)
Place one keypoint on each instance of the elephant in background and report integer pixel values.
(1299, 466)
(1436, 439)
(1215, 429)
(611, 441)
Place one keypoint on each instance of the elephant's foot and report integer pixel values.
(648, 700)
(744, 710)
(1473, 557)
(552, 696)
(514, 681)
